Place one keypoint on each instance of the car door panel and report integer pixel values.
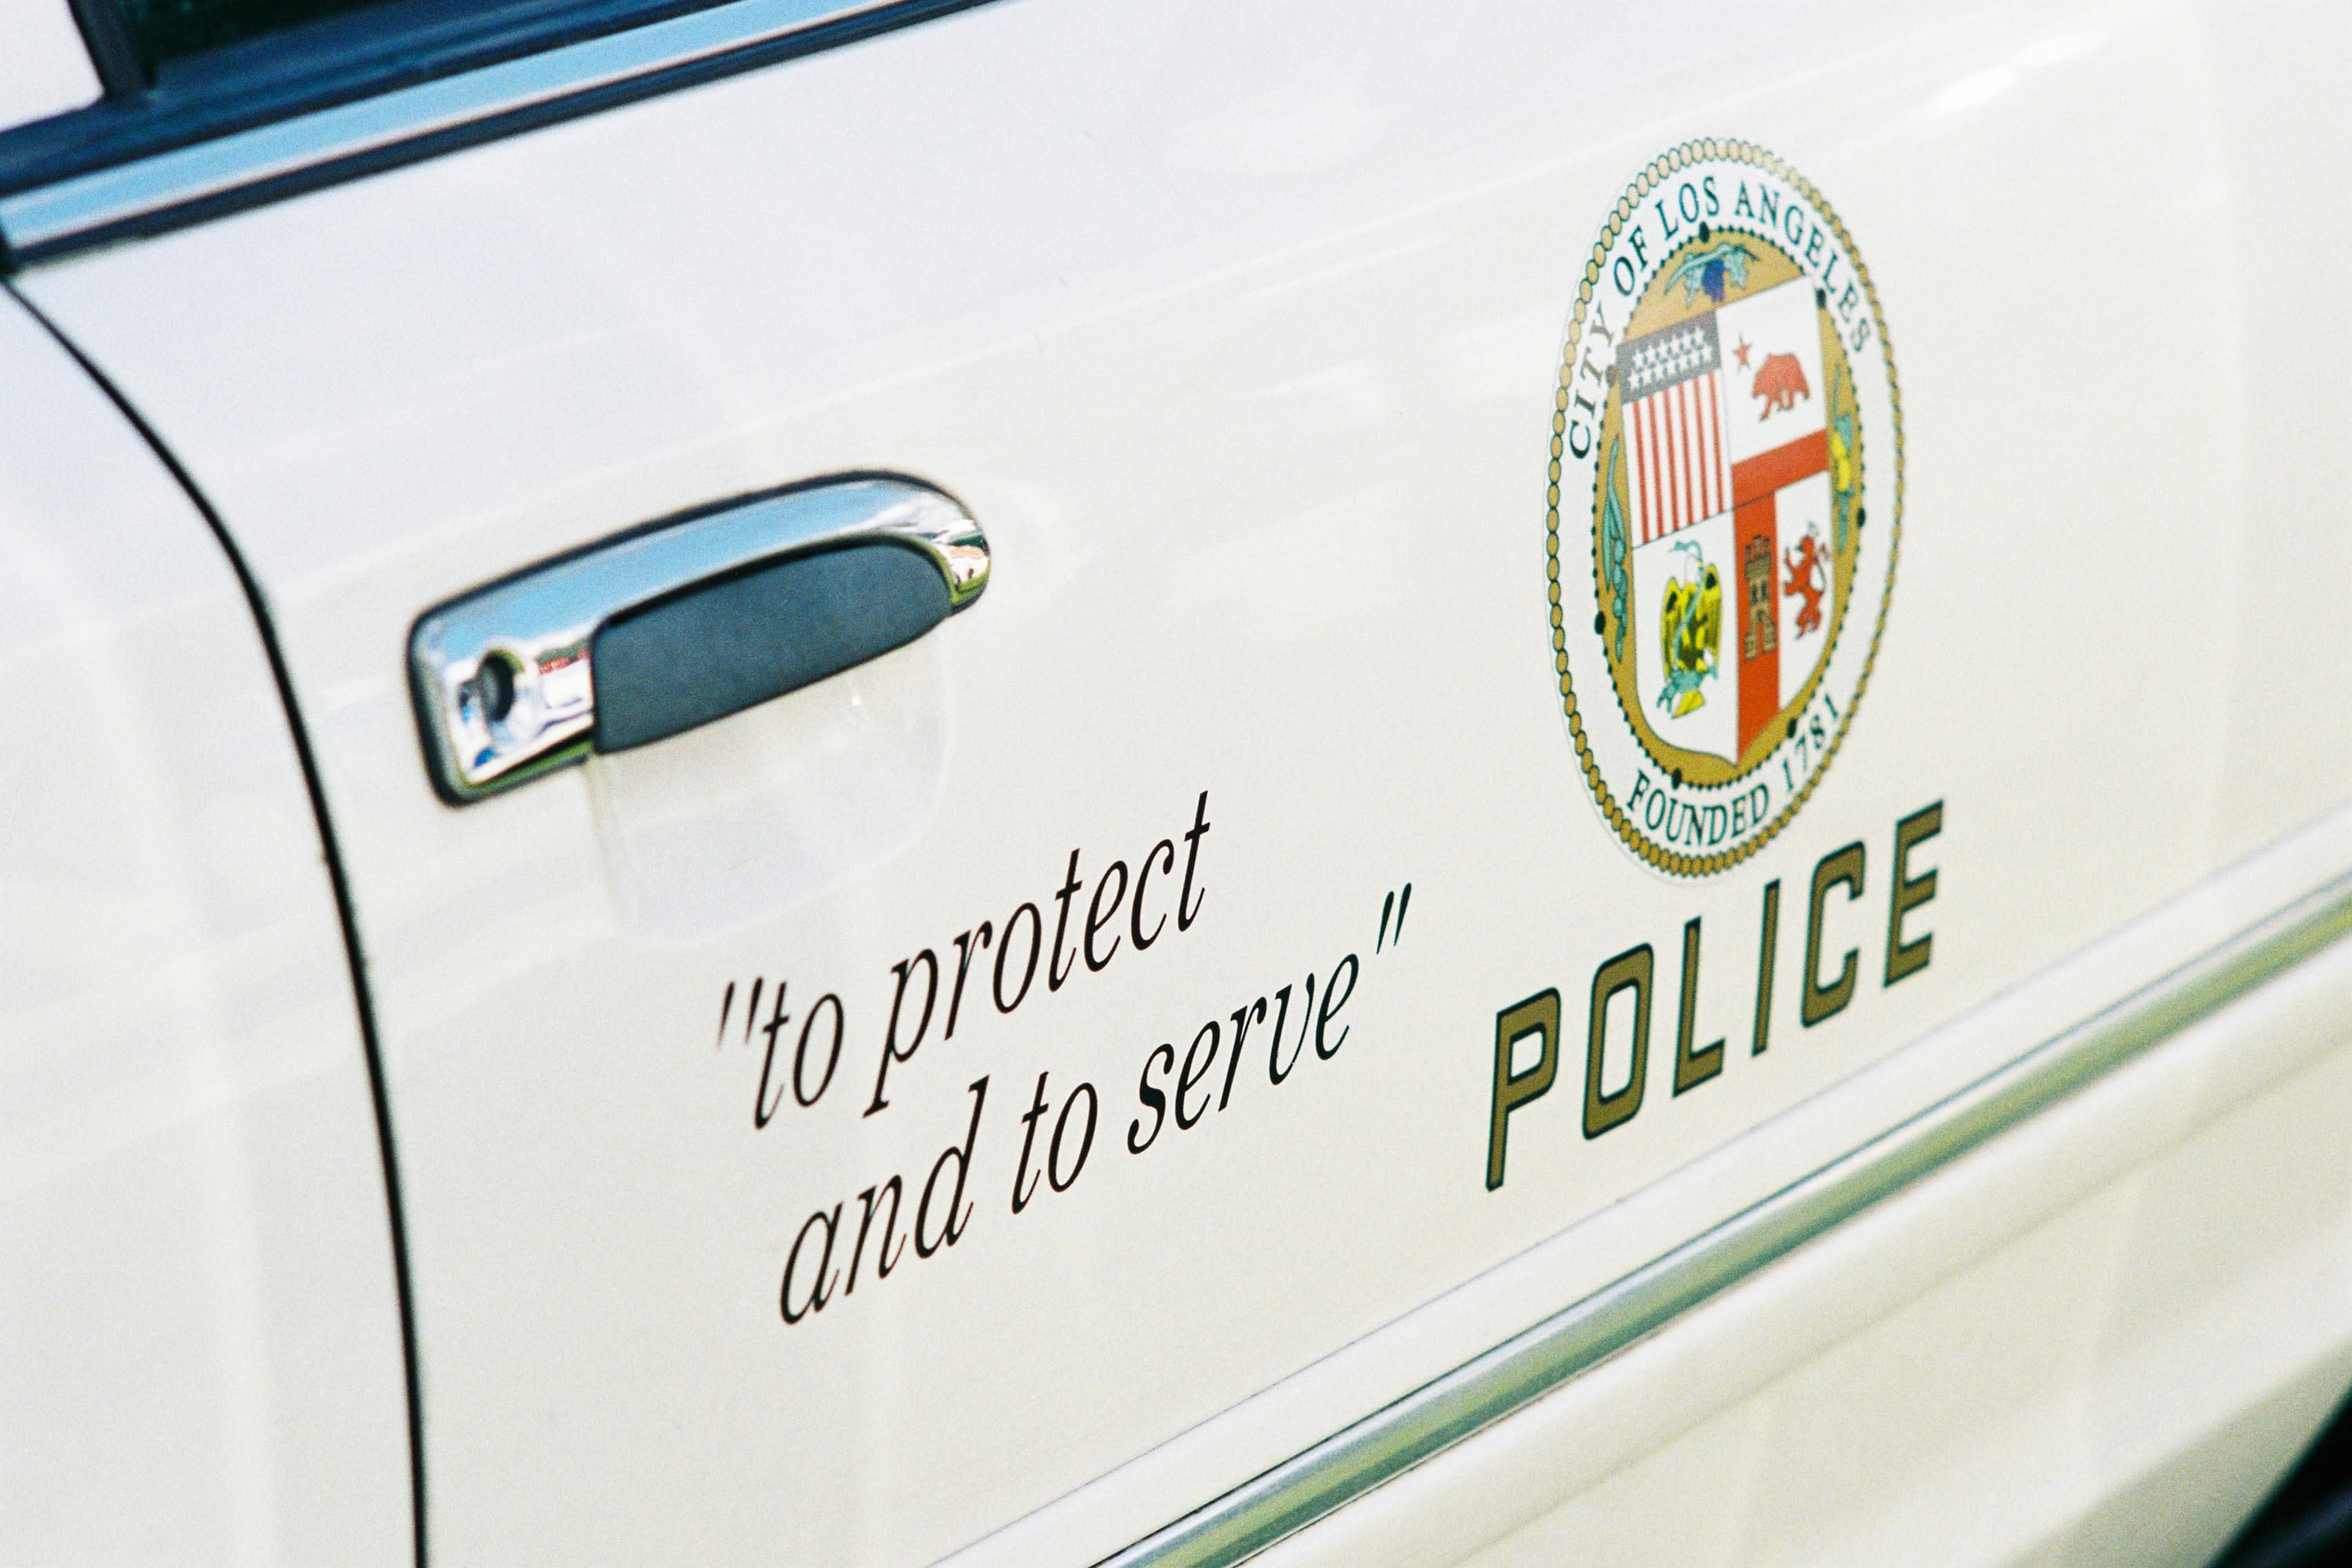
(1237, 329)
(198, 1287)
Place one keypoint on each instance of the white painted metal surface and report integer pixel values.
(44, 67)
(2094, 1340)
(200, 1347)
(1237, 329)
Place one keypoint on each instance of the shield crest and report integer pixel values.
(1731, 480)
(1723, 363)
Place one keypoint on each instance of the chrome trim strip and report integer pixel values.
(145, 192)
(1382, 1446)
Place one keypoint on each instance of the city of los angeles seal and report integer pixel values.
(1726, 499)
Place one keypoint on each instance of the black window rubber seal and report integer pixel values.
(348, 59)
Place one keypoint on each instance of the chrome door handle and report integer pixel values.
(682, 623)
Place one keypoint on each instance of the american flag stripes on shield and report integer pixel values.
(1673, 429)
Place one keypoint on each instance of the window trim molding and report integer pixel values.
(110, 54)
(162, 179)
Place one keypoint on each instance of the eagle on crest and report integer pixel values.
(1690, 632)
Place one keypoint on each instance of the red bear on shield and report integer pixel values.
(1780, 382)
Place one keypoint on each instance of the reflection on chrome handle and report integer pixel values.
(504, 678)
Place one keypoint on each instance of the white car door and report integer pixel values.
(200, 1353)
(1361, 872)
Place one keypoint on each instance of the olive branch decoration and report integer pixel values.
(1842, 418)
(1612, 547)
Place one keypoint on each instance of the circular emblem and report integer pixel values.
(1725, 498)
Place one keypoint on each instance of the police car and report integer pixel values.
(897, 782)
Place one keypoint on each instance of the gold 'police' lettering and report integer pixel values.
(1908, 958)
(1841, 869)
(1691, 1068)
(1909, 950)
(1539, 1014)
(1629, 971)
